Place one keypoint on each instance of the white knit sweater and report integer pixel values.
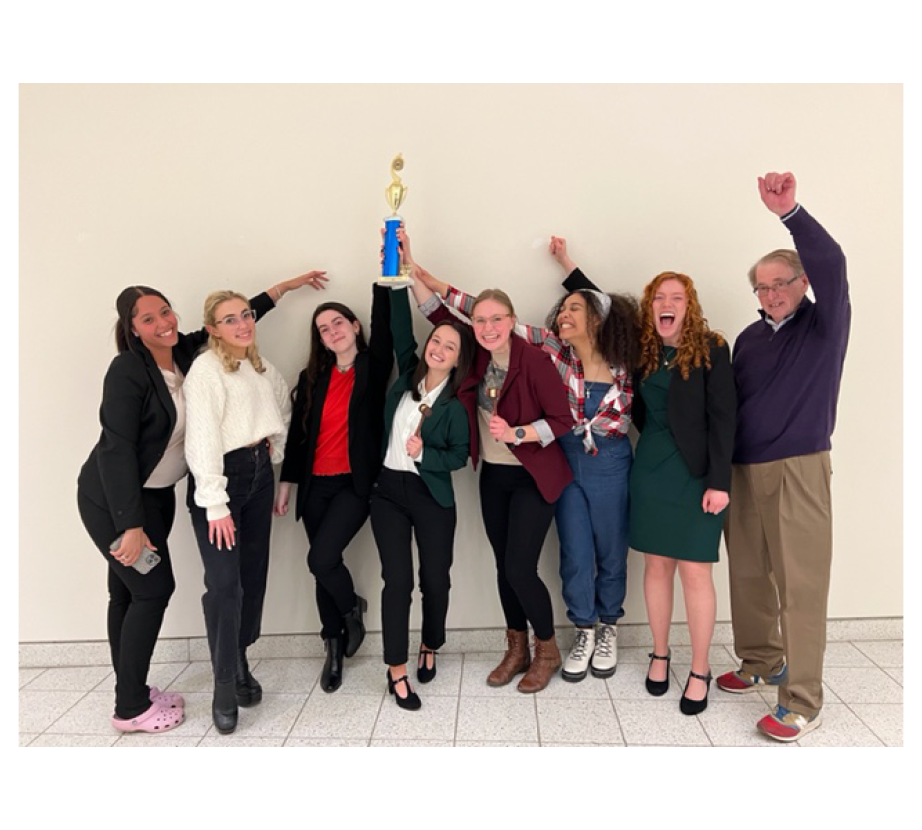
(226, 411)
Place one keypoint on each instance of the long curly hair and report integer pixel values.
(617, 336)
(695, 343)
(228, 361)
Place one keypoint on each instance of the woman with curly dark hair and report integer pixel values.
(592, 339)
(685, 412)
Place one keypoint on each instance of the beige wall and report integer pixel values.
(190, 188)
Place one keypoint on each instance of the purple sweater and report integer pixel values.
(787, 381)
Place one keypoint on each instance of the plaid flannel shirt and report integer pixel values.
(613, 417)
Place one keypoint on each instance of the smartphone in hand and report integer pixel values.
(145, 562)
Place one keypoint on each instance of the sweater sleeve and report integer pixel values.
(824, 265)
(205, 401)
(283, 399)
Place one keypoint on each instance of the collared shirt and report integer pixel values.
(407, 418)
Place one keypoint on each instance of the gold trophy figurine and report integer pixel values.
(393, 273)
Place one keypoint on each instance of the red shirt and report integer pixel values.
(331, 458)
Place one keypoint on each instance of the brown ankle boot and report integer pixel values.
(516, 659)
(543, 667)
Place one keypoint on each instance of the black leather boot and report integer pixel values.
(355, 628)
(249, 692)
(224, 706)
(331, 678)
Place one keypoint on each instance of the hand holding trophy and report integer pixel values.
(393, 273)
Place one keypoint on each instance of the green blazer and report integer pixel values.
(445, 434)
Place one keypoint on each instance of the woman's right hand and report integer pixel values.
(221, 532)
(280, 508)
(134, 541)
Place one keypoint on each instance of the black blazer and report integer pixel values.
(137, 417)
(700, 411)
(366, 410)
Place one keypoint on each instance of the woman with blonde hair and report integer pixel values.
(238, 410)
(126, 489)
(517, 409)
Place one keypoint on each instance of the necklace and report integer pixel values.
(343, 369)
(670, 356)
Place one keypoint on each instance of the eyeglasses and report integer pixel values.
(233, 320)
(780, 285)
(494, 321)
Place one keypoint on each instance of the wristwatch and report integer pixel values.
(519, 436)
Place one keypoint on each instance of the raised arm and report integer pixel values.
(402, 331)
(822, 257)
(576, 280)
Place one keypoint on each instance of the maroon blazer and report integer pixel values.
(532, 391)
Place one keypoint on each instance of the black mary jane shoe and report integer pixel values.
(695, 707)
(331, 678)
(423, 673)
(411, 701)
(355, 628)
(248, 690)
(224, 706)
(658, 688)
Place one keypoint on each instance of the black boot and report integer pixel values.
(249, 692)
(331, 678)
(355, 629)
(224, 706)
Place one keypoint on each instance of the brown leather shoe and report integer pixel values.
(543, 668)
(516, 659)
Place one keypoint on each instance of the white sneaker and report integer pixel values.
(576, 666)
(605, 658)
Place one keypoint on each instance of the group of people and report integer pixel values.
(544, 412)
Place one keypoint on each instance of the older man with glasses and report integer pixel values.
(788, 368)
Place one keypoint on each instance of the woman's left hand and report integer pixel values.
(714, 501)
(500, 430)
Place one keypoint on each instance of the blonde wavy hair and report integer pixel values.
(695, 344)
(228, 361)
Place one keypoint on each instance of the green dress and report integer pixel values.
(666, 514)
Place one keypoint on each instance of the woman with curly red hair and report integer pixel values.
(685, 412)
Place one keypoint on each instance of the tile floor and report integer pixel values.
(65, 697)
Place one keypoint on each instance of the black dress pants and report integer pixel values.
(137, 602)
(401, 504)
(517, 518)
(334, 514)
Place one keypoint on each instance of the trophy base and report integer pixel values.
(394, 282)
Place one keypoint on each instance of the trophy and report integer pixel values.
(393, 273)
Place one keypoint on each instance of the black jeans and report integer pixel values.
(517, 518)
(401, 503)
(137, 602)
(333, 515)
(235, 578)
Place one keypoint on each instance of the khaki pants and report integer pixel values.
(779, 545)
